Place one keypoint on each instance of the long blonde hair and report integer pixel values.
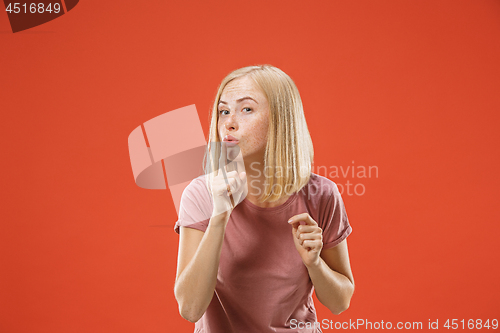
(289, 149)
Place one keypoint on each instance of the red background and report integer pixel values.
(408, 86)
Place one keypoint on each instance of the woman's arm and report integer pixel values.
(332, 278)
(199, 252)
(197, 267)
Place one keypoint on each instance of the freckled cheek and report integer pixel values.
(257, 135)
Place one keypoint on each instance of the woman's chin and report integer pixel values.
(233, 151)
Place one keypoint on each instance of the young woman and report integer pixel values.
(253, 244)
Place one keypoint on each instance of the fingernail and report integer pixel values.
(290, 220)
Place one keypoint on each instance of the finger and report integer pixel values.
(237, 182)
(309, 236)
(214, 158)
(232, 200)
(231, 182)
(295, 225)
(243, 175)
(224, 174)
(294, 229)
(223, 157)
(240, 180)
(311, 244)
(305, 229)
(224, 185)
(308, 228)
(303, 217)
(231, 165)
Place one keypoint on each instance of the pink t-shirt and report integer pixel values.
(262, 283)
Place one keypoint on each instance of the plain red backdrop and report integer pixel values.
(410, 87)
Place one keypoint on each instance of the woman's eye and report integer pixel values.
(222, 111)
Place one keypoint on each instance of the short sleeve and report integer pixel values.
(195, 207)
(335, 224)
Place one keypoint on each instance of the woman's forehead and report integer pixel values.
(244, 86)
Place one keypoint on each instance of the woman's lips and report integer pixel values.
(231, 143)
(230, 140)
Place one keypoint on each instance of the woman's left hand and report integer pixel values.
(308, 238)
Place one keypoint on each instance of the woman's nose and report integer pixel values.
(231, 122)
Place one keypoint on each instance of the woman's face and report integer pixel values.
(244, 114)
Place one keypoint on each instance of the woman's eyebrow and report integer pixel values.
(240, 100)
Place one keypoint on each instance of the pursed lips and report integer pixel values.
(229, 138)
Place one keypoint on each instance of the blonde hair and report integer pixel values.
(289, 148)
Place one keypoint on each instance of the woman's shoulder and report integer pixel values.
(197, 191)
(195, 206)
(320, 186)
(197, 184)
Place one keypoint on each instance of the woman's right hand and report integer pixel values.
(224, 178)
